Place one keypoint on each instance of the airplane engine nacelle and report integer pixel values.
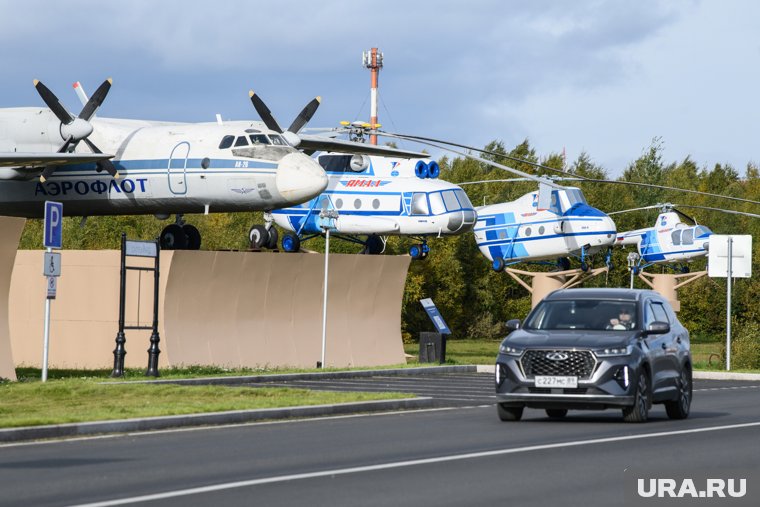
(359, 163)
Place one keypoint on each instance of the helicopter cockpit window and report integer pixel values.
(463, 199)
(278, 140)
(241, 141)
(259, 139)
(676, 237)
(575, 196)
(436, 203)
(688, 237)
(701, 231)
(450, 200)
(420, 204)
(226, 142)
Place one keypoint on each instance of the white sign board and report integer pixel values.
(741, 256)
(51, 266)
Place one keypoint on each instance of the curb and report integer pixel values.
(211, 419)
(725, 375)
(289, 377)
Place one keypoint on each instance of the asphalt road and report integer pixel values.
(457, 455)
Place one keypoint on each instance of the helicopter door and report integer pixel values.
(177, 169)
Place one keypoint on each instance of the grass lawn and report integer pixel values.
(77, 396)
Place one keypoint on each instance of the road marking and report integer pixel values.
(402, 464)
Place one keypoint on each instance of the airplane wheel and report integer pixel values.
(173, 238)
(192, 236)
(274, 236)
(415, 251)
(291, 243)
(498, 264)
(373, 245)
(258, 236)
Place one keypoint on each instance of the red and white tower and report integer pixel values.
(373, 60)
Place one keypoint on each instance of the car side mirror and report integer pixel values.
(513, 325)
(658, 327)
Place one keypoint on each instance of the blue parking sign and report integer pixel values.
(53, 232)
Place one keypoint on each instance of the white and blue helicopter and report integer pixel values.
(137, 167)
(379, 197)
(670, 241)
(373, 197)
(526, 230)
(553, 223)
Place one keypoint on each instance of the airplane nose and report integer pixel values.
(299, 178)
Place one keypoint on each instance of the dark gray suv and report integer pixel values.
(596, 349)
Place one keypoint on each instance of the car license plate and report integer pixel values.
(555, 381)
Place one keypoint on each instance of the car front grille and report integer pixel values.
(578, 363)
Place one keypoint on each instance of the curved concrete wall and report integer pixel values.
(10, 232)
(217, 308)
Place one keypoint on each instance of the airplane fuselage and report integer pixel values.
(164, 168)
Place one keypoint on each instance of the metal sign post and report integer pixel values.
(326, 223)
(730, 256)
(52, 237)
(137, 249)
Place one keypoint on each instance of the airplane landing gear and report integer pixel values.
(264, 236)
(180, 236)
(498, 264)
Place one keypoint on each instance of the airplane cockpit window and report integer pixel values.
(420, 204)
(676, 237)
(688, 237)
(226, 142)
(278, 140)
(436, 203)
(450, 200)
(241, 141)
(463, 199)
(259, 139)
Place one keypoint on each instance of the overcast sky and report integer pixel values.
(584, 75)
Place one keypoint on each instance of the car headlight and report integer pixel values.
(614, 351)
(510, 350)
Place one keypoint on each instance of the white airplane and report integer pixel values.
(141, 167)
(378, 197)
(524, 230)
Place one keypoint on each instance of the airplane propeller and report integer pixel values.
(76, 129)
(300, 121)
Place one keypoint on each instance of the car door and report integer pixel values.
(657, 344)
(670, 343)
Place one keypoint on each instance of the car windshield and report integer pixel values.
(595, 315)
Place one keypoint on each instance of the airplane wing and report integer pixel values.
(321, 143)
(31, 160)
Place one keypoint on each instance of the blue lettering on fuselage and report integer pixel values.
(88, 187)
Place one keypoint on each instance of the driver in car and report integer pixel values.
(622, 322)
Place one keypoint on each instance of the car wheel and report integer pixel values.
(556, 413)
(679, 408)
(507, 413)
(639, 411)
